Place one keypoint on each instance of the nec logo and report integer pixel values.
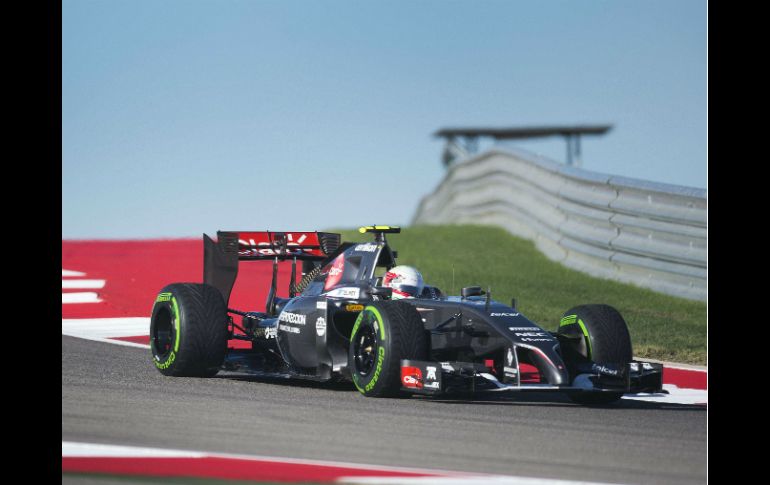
(531, 334)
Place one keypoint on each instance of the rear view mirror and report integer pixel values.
(382, 291)
(471, 291)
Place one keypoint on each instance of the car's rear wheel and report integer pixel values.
(384, 333)
(605, 339)
(188, 330)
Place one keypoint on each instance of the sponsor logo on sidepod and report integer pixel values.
(294, 318)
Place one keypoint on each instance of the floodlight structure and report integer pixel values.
(463, 142)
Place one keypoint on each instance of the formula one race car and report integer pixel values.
(341, 322)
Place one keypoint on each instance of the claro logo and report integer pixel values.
(335, 272)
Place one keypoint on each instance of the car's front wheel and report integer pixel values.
(384, 333)
(605, 339)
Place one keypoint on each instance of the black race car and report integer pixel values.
(339, 322)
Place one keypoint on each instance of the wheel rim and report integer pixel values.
(163, 334)
(365, 347)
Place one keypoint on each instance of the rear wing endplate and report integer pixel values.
(221, 257)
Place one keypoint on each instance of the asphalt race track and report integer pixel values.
(112, 394)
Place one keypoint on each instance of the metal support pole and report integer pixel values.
(578, 160)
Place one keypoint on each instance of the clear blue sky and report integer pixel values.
(184, 117)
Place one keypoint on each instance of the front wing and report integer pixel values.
(432, 378)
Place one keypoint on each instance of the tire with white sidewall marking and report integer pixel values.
(188, 330)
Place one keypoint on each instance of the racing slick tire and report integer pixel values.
(384, 333)
(606, 340)
(189, 330)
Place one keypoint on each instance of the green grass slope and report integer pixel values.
(662, 327)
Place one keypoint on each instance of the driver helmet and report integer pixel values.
(405, 281)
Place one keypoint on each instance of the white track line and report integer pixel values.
(82, 284)
(492, 479)
(80, 297)
(73, 449)
(104, 329)
(676, 395)
(66, 272)
(112, 341)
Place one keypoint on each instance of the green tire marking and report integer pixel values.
(361, 317)
(176, 323)
(379, 320)
(571, 319)
(588, 338)
(167, 363)
(380, 349)
(380, 359)
(568, 320)
(355, 383)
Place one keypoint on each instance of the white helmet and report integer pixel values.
(405, 281)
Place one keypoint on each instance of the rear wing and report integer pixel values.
(221, 258)
(284, 245)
